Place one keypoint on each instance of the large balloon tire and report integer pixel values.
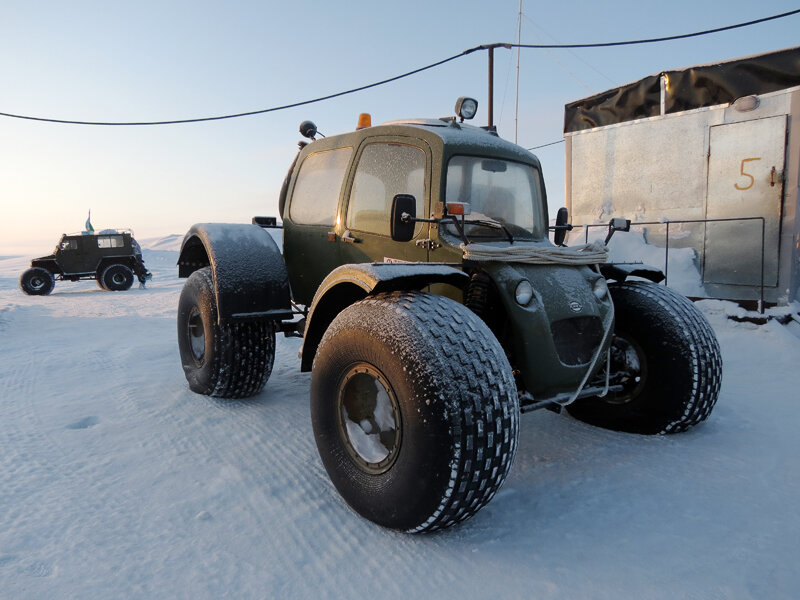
(678, 367)
(232, 360)
(450, 389)
(37, 281)
(116, 278)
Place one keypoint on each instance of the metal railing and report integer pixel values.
(667, 223)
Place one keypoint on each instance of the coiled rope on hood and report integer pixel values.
(587, 254)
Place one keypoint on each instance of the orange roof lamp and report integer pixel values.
(364, 121)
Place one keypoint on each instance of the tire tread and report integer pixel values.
(485, 426)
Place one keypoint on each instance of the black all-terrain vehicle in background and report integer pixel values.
(434, 309)
(111, 257)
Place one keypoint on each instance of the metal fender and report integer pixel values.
(621, 271)
(348, 284)
(250, 278)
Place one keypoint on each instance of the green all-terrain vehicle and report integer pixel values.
(434, 309)
(111, 257)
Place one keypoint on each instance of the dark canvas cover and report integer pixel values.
(689, 88)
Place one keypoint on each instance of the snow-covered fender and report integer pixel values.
(250, 278)
(348, 284)
(621, 271)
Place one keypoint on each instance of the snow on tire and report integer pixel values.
(232, 360)
(414, 409)
(672, 360)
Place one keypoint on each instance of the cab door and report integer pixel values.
(72, 254)
(386, 166)
(310, 220)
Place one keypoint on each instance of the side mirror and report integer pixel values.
(266, 222)
(562, 227)
(404, 211)
(308, 129)
(617, 224)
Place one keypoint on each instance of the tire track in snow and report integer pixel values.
(267, 441)
(44, 485)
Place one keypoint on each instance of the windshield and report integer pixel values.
(499, 192)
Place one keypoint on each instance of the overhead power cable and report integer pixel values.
(404, 75)
(250, 113)
(546, 145)
(660, 39)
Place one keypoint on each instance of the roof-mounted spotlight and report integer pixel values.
(466, 107)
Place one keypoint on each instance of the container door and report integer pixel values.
(745, 179)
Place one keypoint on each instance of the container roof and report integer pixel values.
(688, 88)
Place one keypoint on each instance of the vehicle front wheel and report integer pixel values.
(116, 278)
(667, 359)
(227, 361)
(414, 409)
(37, 281)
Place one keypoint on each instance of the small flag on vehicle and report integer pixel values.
(88, 225)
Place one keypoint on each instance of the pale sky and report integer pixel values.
(164, 60)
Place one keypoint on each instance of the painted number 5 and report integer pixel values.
(750, 177)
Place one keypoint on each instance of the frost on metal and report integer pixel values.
(249, 273)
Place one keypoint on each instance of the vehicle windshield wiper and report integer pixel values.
(459, 224)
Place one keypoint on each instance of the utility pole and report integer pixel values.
(490, 48)
(516, 96)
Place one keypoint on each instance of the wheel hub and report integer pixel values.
(197, 335)
(369, 418)
(630, 369)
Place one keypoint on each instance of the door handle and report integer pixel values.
(775, 176)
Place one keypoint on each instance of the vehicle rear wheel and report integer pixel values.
(414, 409)
(116, 278)
(37, 281)
(227, 361)
(667, 358)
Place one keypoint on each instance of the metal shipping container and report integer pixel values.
(695, 146)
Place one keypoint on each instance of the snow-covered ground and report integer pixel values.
(118, 482)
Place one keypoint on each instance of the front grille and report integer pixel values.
(576, 339)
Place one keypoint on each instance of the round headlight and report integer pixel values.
(524, 292)
(466, 107)
(600, 288)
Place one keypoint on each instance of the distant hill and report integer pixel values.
(168, 242)
(173, 241)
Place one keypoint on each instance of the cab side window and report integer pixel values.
(69, 245)
(111, 241)
(316, 192)
(384, 170)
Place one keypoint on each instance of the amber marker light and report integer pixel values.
(364, 121)
(458, 208)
